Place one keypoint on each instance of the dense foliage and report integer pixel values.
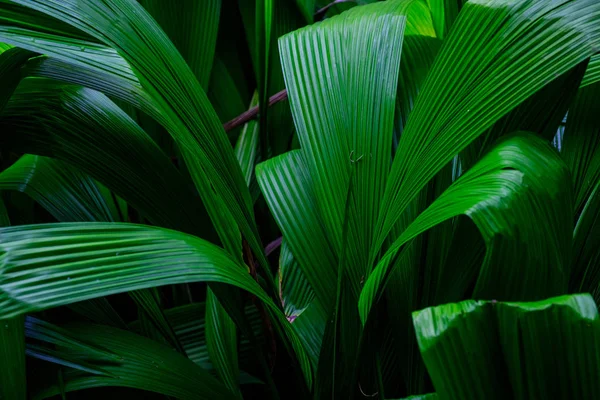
(226, 199)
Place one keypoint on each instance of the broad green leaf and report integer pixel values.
(307, 7)
(246, 148)
(525, 45)
(443, 12)
(192, 26)
(586, 250)
(225, 96)
(286, 17)
(494, 350)
(71, 122)
(247, 10)
(67, 193)
(418, 54)
(99, 311)
(11, 62)
(446, 247)
(221, 340)
(163, 73)
(126, 89)
(149, 306)
(77, 261)
(581, 151)
(85, 63)
(124, 359)
(521, 179)
(310, 327)
(67, 263)
(286, 185)
(294, 290)
(12, 354)
(23, 17)
(542, 113)
(189, 324)
(592, 74)
(346, 115)
(263, 24)
(581, 144)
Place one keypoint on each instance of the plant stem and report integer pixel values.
(253, 112)
(277, 97)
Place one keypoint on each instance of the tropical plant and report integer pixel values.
(276, 199)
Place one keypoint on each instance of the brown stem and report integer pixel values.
(271, 247)
(279, 96)
(249, 259)
(253, 112)
(324, 9)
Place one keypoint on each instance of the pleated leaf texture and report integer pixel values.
(238, 199)
(501, 350)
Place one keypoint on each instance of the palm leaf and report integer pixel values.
(221, 340)
(332, 139)
(131, 361)
(71, 121)
(12, 347)
(592, 74)
(514, 173)
(67, 263)
(129, 29)
(294, 290)
(581, 151)
(189, 323)
(11, 61)
(192, 27)
(485, 349)
(525, 46)
(286, 185)
(67, 193)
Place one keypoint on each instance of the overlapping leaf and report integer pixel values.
(129, 29)
(67, 193)
(494, 350)
(510, 185)
(12, 347)
(121, 358)
(66, 263)
(86, 129)
(524, 46)
(346, 115)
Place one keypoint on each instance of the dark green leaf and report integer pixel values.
(490, 350)
(130, 361)
(524, 46)
(66, 263)
(67, 193)
(67, 122)
(511, 184)
(221, 340)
